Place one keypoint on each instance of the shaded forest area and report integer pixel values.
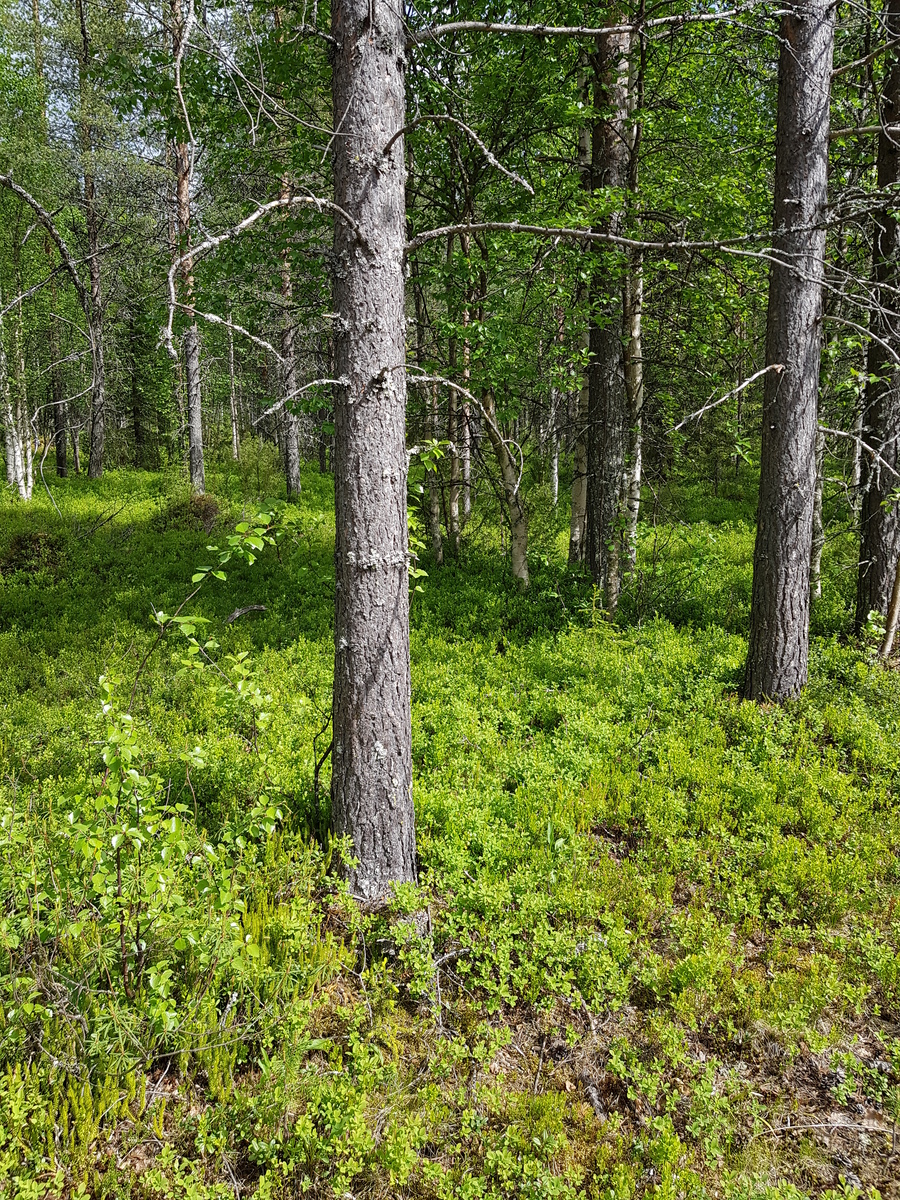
(449, 572)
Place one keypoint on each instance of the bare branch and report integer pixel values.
(211, 243)
(576, 235)
(864, 62)
(47, 221)
(779, 367)
(341, 382)
(445, 117)
(854, 437)
(587, 31)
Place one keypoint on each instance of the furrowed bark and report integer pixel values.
(880, 523)
(607, 396)
(371, 793)
(777, 659)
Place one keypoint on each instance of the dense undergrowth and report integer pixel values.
(664, 920)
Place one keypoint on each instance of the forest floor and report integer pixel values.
(664, 920)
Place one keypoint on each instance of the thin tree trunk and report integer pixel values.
(191, 341)
(578, 514)
(818, 533)
(893, 617)
(17, 473)
(453, 436)
(880, 522)
(92, 225)
(509, 474)
(431, 425)
(607, 395)
(634, 387)
(289, 368)
(137, 401)
(634, 313)
(371, 793)
(434, 488)
(777, 659)
(57, 391)
(578, 518)
(232, 396)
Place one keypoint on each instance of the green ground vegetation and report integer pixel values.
(664, 920)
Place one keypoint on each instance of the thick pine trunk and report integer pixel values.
(880, 523)
(608, 416)
(779, 622)
(371, 793)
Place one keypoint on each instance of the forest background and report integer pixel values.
(644, 942)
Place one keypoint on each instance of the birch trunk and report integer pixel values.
(777, 660)
(191, 340)
(371, 792)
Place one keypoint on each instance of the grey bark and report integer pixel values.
(607, 395)
(371, 792)
(778, 652)
(511, 477)
(880, 523)
(232, 397)
(58, 394)
(191, 341)
(818, 527)
(578, 514)
(578, 518)
(92, 225)
(289, 436)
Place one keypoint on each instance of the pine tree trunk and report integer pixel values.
(288, 369)
(778, 653)
(880, 523)
(371, 794)
(607, 396)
